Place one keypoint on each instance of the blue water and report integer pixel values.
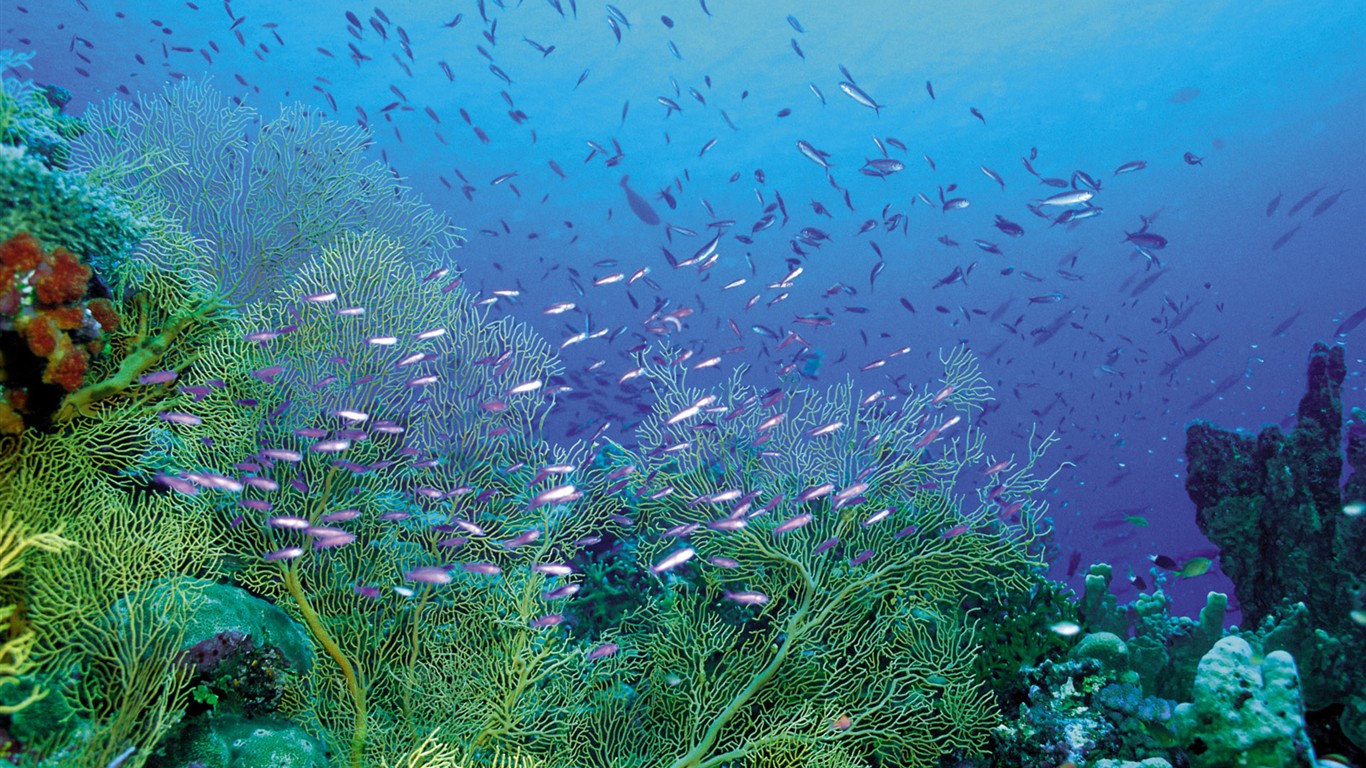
(1270, 96)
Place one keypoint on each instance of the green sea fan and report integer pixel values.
(310, 367)
(266, 194)
(859, 648)
(861, 430)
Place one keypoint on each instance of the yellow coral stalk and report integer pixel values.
(429, 754)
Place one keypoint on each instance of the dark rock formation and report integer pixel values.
(1273, 505)
(1292, 538)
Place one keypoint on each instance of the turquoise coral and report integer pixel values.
(62, 208)
(1246, 713)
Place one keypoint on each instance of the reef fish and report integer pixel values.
(639, 206)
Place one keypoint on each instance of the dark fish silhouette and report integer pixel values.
(1184, 95)
(1351, 323)
(639, 206)
(1275, 202)
(1286, 323)
(1283, 239)
(1327, 202)
(1306, 200)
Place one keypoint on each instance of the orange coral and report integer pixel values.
(21, 252)
(61, 279)
(67, 366)
(67, 318)
(105, 314)
(11, 422)
(52, 321)
(41, 334)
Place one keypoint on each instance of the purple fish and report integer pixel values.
(158, 377)
(603, 651)
(746, 598)
(792, 523)
(674, 560)
(429, 574)
(568, 590)
(525, 537)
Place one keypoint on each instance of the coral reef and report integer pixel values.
(223, 621)
(235, 741)
(1163, 649)
(31, 115)
(1274, 506)
(307, 483)
(1084, 709)
(63, 209)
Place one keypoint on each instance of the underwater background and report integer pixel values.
(980, 223)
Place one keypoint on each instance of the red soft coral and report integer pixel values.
(66, 318)
(66, 367)
(21, 252)
(104, 313)
(61, 279)
(41, 334)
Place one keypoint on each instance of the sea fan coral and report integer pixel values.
(295, 183)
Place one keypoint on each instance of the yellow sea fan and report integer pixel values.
(429, 754)
(17, 648)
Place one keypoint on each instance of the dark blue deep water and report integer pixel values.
(1230, 105)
